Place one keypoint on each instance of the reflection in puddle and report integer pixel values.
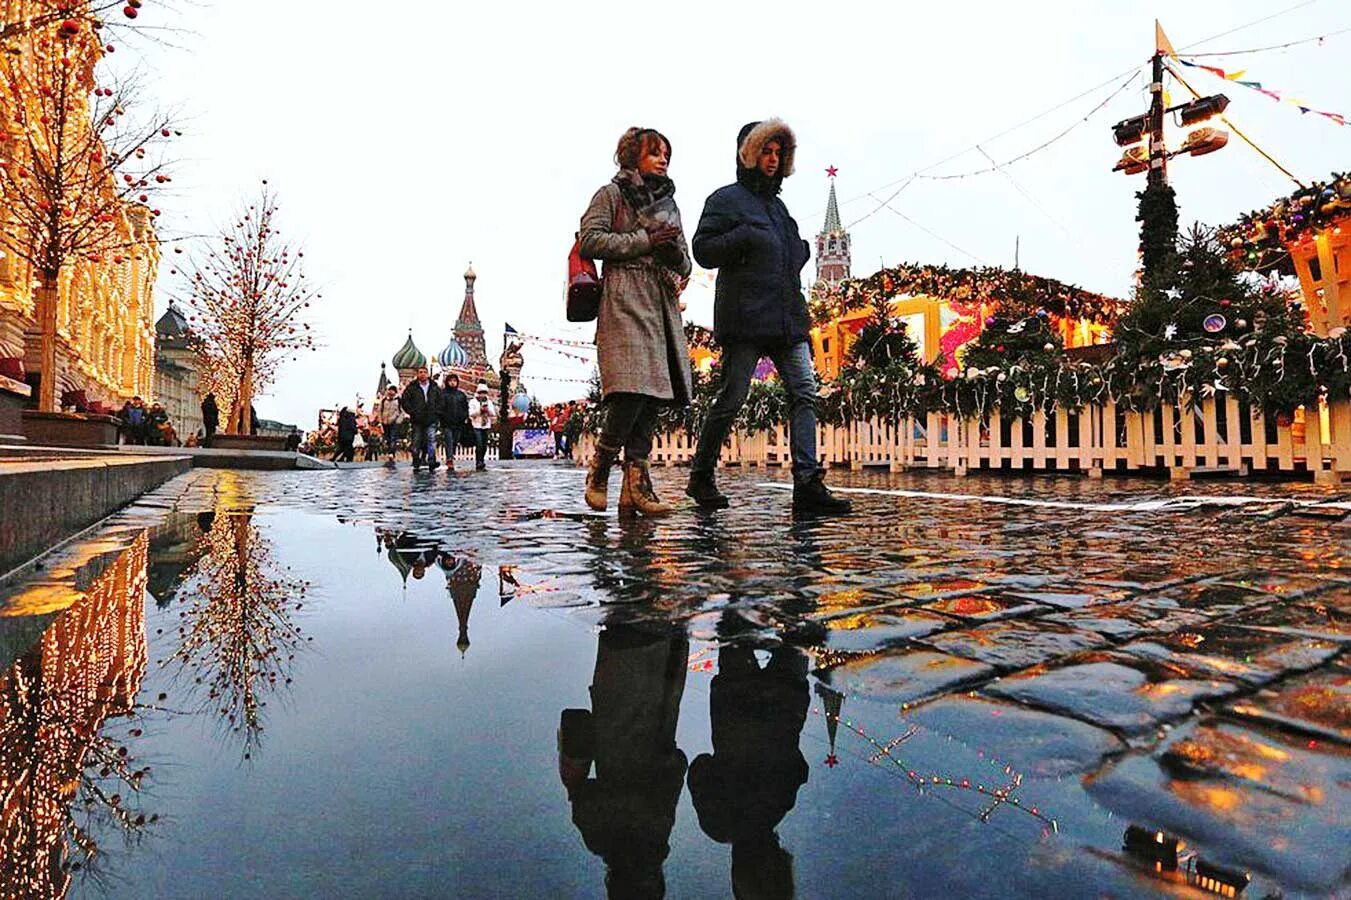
(1170, 860)
(237, 637)
(66, 787)
(626, 811)
(413, 555)
(987, 720)
(743, 790)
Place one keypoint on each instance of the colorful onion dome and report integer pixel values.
(454, 356)
(409, 356)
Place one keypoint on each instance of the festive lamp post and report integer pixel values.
(1146, 151)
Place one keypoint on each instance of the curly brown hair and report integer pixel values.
(635, 143)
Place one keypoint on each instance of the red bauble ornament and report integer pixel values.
(130, 11)
(999, 349)
(1226, 303)
(70, 28)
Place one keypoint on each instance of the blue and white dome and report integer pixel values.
(454, 356)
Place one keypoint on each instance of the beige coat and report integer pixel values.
(640, 340)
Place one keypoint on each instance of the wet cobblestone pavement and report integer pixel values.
(976, 687)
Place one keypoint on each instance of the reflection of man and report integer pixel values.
(743, 790)
(626, 812)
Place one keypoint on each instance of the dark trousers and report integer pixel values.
(630, 420)
(480, 446)
(210, 433)
(794, 364)
(560, 445)
(393, 433)
(424, 444)
(450, 437)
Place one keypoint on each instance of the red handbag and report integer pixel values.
(584, 286)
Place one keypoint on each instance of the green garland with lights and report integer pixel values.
(989, 285)
(1258, 240)
(1202, 329)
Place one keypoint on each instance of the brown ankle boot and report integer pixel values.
(637, 494)
(598, 477)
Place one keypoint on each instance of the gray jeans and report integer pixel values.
(738, 362)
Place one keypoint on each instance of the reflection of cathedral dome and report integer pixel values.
(462, 581)
(409, 356)
(454, 356)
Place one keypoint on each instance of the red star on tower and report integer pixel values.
(831, 172)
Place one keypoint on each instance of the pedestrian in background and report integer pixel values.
(633, 226)
(558, 424)
(759, 310)
(422, 402)
(159, 433)
(210, 418)
(347, 433)
(133, 416)
(454, 417)
(482, 418)
(390, 415)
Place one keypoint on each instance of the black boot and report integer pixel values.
(704, 491)
(814, 498)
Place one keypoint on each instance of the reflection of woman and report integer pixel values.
(633, 225)
(743, 790)
(626, 812)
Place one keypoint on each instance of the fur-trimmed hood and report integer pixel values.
(755, 135)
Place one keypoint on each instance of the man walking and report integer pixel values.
(759, 310)
(390, 415)
(482, 418)
(422, 401)
(454, 417)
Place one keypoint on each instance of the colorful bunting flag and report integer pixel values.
(1237, 78)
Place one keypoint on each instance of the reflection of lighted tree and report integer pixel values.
(238, 637)
(62, 780)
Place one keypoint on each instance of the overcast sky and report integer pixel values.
(406, 145)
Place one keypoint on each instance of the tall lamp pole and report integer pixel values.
(1153, 154)
(1158, 157)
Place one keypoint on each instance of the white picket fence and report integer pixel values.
(1212, 436)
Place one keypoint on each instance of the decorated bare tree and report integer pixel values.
(248, 299)
(77, 168)
(35, 15)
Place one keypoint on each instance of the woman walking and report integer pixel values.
(633, 226)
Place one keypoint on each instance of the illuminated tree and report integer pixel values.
(248, 298)
(35, 15)
(77, 170)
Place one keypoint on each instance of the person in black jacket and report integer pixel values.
(454, 415)
(347, 434)
(759, 310)
(422, 401)
(210, 418)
